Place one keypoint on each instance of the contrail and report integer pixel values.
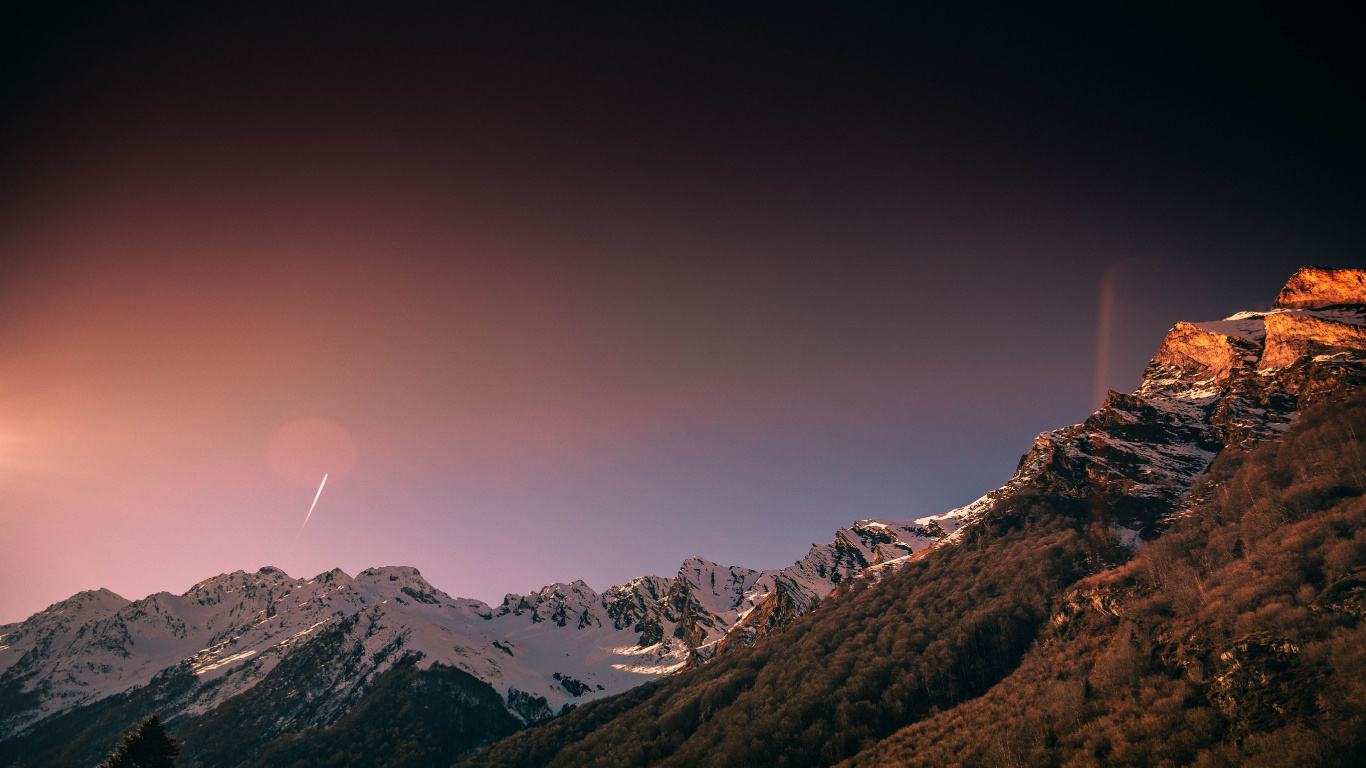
(311, 506)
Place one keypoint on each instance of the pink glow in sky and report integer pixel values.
(544, 308)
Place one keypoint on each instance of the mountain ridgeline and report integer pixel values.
(1177, 580)
(1035, 635)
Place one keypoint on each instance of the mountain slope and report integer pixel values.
(409, 718)
(950, 623)
(943, 628)
(1237, 638)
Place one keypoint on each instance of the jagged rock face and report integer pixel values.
(560, 604)
(687, 607)
(778, 609)
(1200, 353)
(1319, 287)
(1290, 337)
(635, 601)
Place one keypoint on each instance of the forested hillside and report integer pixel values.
(1235, 639)
(411, 718)
(1232, 639)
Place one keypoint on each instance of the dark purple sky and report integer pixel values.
(560, 294)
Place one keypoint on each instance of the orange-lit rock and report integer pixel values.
(1318, 287)
(1197, 351)
(780, 608)
(1290, 337)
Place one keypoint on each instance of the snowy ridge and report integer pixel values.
(562, 644)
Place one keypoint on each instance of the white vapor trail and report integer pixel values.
(311, 506)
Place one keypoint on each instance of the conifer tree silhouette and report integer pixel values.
(147, 746)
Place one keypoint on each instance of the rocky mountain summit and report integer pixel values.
(1322, 288)
(313, 648)
(1230, 382)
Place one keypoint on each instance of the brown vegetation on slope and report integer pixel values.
(1234, 639)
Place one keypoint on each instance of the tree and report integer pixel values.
(147, 746)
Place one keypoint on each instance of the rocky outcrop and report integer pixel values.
(635, 601)
(692, 622)
(560, 604)
(1201, 353)
(1346, 595)
(1290, 337)
(1253, 680)
(1320, 287)
(778, 609)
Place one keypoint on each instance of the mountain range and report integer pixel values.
(295, 662)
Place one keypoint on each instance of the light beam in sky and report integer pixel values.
(1105, 322)
(314, 504)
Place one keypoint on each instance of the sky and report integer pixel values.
(555, 293)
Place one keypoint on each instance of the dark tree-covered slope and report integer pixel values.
(405, 717)
(410, 718)
(83, 736)
(1238, 638)
(316, 684)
